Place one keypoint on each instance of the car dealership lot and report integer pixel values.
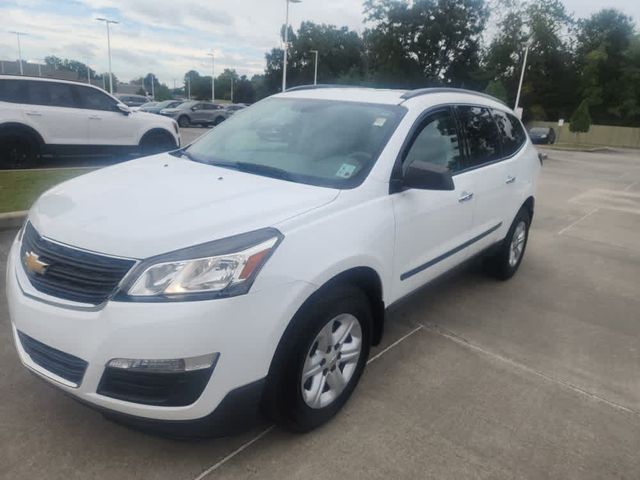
(533, 378)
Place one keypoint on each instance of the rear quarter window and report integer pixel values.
(511, 132)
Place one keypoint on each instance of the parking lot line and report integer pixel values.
(577, 221)
(246, 445)
(630, 186)
(449, 335)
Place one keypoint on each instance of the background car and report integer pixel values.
(41, 116)
(155, 107)
(196, 113)
(132, 100)
(542, 135)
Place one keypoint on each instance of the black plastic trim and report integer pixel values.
(446, 255)
(426, 91)
(238, 411)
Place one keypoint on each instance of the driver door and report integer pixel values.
(432, 226)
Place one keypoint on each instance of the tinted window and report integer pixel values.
(482, 135)
(12, 91)
(436, 143)
(51, 94)
(513, 136)
(208, 106)
(93, 99)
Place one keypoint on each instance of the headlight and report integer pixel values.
(222, 268)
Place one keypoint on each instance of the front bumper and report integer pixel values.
(244, 330)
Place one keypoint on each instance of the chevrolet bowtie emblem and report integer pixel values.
(33, 264)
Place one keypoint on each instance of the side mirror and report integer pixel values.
(427, 176)
(193, 109)
(123, 108)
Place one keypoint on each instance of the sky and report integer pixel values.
(170, 37)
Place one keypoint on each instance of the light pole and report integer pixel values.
(88, 72)
(188, 88)
(153, 92)
(213, 76)
(107, 22)
(286, 43)
(19, 49)
(315, 71)
(232, 88)
(524, 67)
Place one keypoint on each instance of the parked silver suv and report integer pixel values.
(196, 113)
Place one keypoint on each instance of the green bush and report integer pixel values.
(581, 119)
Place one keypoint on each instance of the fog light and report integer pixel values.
(166, 366)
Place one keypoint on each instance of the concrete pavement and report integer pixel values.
(532, 378)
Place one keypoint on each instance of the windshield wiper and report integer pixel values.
(256, 168)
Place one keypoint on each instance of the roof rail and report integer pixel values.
(425, 91)
(320, 85)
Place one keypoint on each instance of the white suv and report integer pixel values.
(250, 272)
(44, 116)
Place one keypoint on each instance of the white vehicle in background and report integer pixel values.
(41, 116)
(248, 274)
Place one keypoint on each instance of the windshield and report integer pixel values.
(320, 142)
(539, 131)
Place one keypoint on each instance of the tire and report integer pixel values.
(184, 121)
(156, 142)
(218, 121)
(289, 397)
(18, 150)
(505, 262)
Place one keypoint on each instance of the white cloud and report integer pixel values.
(170, 37)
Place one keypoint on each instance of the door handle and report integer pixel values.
(95, 118)
(34, 114)
(510, 179)
(466, 196)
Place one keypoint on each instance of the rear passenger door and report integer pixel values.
(517, 178)
(53, 110)
(487, 172)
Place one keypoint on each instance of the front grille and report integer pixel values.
(154, 388)
(62, 364)
(69, 273)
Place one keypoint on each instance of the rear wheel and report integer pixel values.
(17, 151)
(184, 121)
(156, 142)
(320, 359)
(506, 261)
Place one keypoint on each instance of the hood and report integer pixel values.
(172, 110)
(162, 203)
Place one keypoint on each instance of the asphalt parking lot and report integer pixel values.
(538, 377)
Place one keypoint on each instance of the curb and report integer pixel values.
(12, 220)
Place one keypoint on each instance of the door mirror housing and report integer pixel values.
(427, 176)
(123, 108)
(193, 109)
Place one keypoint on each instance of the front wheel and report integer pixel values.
(156, 142)
(506, 261)
(320, 359)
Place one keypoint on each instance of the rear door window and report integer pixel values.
(12, 91)
(51, 94)
(481, 133)
(511, 131)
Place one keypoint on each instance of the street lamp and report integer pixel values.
(107, 22)
(286, 43)
(524, 67)
(315, 72)
(19, 49)
(213, 76)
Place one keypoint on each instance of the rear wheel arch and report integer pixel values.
(529, 205)
(20, 128)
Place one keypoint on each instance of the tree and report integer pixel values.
(496, 89)
(603, 44)
(581, 119)
(433, 41)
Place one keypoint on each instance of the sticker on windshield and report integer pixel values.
(379, 122)
(345, 170)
